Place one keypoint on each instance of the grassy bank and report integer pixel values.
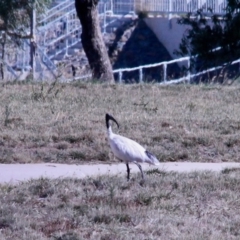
(66, 123)
(168, 206)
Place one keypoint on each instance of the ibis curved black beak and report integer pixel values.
(109, 117)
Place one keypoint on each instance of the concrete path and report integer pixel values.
(14, 173)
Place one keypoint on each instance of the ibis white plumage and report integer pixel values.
(127, 150)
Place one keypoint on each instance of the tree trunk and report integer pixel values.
(3, 56)
(92, 40)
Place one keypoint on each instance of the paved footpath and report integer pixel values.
(14, 173)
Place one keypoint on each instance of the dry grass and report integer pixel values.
(168, 206)
(66, 123)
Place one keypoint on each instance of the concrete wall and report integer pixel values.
(168, 31)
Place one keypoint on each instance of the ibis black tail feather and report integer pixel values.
(153, 159)
(109, 117)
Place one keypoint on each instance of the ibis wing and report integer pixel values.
(127, 149)
(130, 151)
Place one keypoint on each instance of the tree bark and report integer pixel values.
(2, 67)
(92, 40)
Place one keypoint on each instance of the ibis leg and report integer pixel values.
(140, 167)
(128, 172)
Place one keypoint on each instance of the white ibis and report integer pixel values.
(128, 150)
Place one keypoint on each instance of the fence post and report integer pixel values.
(134, 7)
(188, 71)
(111, 2)
(120, 77)
(67, 26)
(25, 48)
(199, 4)
(32, 42)
(165, 72)
(170, 9)
(140, 75)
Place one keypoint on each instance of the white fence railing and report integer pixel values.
(166, 6)
(164, 64)
(187, 78)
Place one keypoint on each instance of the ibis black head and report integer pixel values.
(109, 117)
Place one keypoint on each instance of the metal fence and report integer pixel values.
(166, 6)
(188, 77)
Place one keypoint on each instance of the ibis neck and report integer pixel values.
(107, 122)
(109, 131)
